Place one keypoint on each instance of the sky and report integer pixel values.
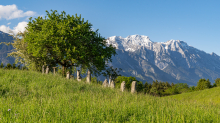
(197, 22)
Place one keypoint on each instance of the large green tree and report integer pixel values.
(68, 41)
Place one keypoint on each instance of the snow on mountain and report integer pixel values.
(175, 57)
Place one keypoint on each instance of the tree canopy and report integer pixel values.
(67, 41)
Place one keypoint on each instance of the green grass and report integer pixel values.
(27, 96)
(207, 96)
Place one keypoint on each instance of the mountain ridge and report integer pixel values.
(174, 57)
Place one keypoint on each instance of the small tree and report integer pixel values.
(217, 82)
(203, 84)
(146, 88)
(13, 66)
(1, 66)
(18, 67)
(8, 66)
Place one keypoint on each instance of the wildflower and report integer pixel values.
(9, 109)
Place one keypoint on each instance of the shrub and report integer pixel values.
(203, 84)
(8, 66)
(1, 66)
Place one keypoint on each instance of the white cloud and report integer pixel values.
(4, 28)
(9, 23)
(11, 12)
(20, 27)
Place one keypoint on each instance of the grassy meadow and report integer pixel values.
(28, 96)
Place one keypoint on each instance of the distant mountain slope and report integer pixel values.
(172, 61)
(4, 49)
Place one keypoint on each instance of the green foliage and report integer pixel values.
(13, 66)
(128, 82)
(24, 68)
(146, 88)
(203, 84)
(68, 41)
(217, 82)
(8, 66)
(172, 90)
(182, 87)
(192, 88)
(18, 67)
(2, 65)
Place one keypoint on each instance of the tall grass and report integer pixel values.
(27, 96)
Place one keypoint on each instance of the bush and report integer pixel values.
(13, 66)
(1, 66)
(203, 84)
(8, 66)
(128, 81)
(217, 82)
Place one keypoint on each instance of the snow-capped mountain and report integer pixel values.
(174, 59)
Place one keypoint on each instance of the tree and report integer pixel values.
(217, 82)
(203, 84)
(182, 87)
(1, 66)
(67, 41)
(8, 66)
(13, 66)
(146, 88)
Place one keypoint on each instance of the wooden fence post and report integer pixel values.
(68, 75)
(78, 75)
(123, 86)
(88, 78)
(47, 70)
(133, 87)
(105, 83)
(112, 84)
(54, 70)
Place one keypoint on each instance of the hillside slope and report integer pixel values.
(32, 97)
(207, 96)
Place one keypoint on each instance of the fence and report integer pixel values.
(111, 84)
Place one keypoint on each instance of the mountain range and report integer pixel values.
(4, 49)
(172, 61)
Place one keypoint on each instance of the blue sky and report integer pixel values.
(196, 22)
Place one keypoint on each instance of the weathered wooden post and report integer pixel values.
(88, 78)
(68, 75)
(123, 86)
(47, 70)
(78, 75)
(105, 83)
(112, 84)
(110, 80)
(43, 69)
(133, 87)
(54, 70)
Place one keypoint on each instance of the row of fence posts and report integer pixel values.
(111, 83)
